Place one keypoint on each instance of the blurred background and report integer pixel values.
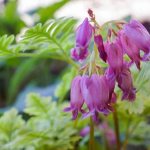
(19, 76)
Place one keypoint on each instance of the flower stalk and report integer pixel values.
(91, 142)
(116, 125)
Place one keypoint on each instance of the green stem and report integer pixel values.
(75, 123)
(126, 136)
(91, 143)
(106, 143)
(116, 124)
(69, 60)
(63, 57)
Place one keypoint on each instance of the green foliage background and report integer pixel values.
(47, 128)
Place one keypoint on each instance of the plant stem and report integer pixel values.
(116, 124)
(129, 133)
(75, 123)
(68, 59)
(126, 136)
(106, 143)
(91, 143)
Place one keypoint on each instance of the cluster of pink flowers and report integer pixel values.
(96, 89)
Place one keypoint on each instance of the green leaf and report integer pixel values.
(142, 78)
(51, 40)
(46, 38)
(47, 125)
(65, 83)
(135, 107)
(10, 21)
(5, 42)
(141, 134)
(7, 48)
(36, 106)
(10, 9)
(48, 12)
(10, 123)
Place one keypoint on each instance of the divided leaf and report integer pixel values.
(37, 106)
(51, 38)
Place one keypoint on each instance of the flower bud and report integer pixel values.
(76, 97)
(99, 42)
(111, 78)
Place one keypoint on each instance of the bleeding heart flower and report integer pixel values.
(95, 91)
(76, 97)
(114, 55)
(130, 48)
(125, 83)
(83, 37)
(139, 35)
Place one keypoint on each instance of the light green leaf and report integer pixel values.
(65, 83)
(36, 105)
(10, 124)
(135, 107)
(48, 12)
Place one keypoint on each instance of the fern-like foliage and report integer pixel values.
(54, 39)
(48, 128)
(10, 125)
(6, 47)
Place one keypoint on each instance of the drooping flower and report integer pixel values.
(125, 83)
(99, 42)
(95, 91)
(139, 35)
(114, 55)
(76, 97)
(130, 48)
(83, 37)
(79, 53)
(111, 78)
